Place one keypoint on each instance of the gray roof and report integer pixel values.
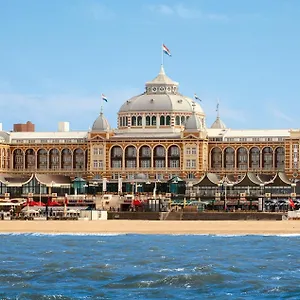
(4, 136)
(218, 124)
(193, 123)
(162, 78)
(161, 96)
(160, 102)
(101, 123)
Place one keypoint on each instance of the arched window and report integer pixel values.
(153, 121)
(279, 158)
(133, 121)
(30, 159)
(66, 159)
(182, 120)
(162, 120)
(42, 158)
(229, 158)
(174, 157)
(177, 120)
(147, 120)
(18, 159)
(139, 121)
(78, 159)
(267, 158)
(168, 120)
(130, 157)
(145, 157)
(159, 157)
(54, 159)
(216, 158)
(242, 158)
(254, 158)
(116, 155)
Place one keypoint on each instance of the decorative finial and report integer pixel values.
(217, 109)
(193, 106)
(162, 70)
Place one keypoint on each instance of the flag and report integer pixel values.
(166, 50)
(292, 203)
(103, 97)
(196, 97)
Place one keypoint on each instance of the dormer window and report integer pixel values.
(162, 89)
(154, 89)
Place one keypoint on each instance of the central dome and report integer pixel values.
(161, 95)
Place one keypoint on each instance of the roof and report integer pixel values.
(49, 135)
(53, 180)
(101, 123)
(160, 103)
(218, 124)
(250, 179)
(162, 78)
(209, 179)
(161, 96)
(280, 179)
(193, 123)
(232, 133)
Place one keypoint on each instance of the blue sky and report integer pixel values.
(57, 57)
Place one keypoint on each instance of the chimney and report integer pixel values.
(63, 126)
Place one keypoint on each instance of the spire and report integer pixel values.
(162, 70)
(218, 123)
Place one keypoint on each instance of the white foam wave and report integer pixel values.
(60, 233)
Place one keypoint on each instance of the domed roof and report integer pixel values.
(4, 137)
(193, 123)
(160, 102)
(101, 123)
(218, 124)
(161, 96)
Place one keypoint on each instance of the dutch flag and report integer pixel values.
(196, 97)
(166, 50)
(103, 97)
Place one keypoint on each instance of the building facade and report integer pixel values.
(160, 134)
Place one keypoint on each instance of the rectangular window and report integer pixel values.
(131, 164)
(95, 164)
(159, 163)
(193, 163)
(145, 163)
(117, 164)
(100, 164)
(194, 151)
(188, 151)
(174, 163)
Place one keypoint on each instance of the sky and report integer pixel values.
(57, 57)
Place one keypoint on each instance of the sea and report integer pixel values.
(130, 266)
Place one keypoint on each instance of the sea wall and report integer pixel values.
(194, 216)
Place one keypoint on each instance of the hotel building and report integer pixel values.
(160, 134)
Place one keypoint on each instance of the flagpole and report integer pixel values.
(162, 54)
(101, 106)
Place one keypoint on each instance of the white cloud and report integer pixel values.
(98, 11)
(46, 110)
(279, 114)
(181, 11)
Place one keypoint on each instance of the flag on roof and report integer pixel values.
(103, 97)
(166, 50)
(196, 97)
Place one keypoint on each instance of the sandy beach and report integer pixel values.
(152, 227)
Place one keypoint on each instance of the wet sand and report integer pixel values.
(152, 227)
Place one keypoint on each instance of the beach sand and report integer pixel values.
(152, 227)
